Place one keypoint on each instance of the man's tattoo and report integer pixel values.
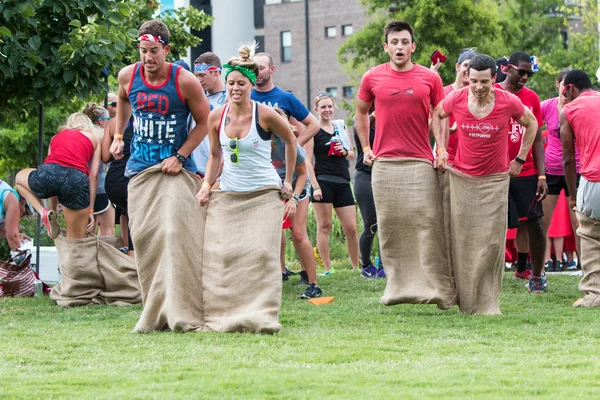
(227, 121)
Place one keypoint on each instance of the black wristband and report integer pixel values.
(180, 158)
(520, 160)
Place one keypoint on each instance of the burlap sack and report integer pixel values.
(241, 275)
(80, 282)
(166, 225)
(589, 232)
(478, 219)
(408, 199)
(121, 283)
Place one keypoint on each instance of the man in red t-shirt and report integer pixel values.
(526, 191)
(405, 184)
(579, 121)
(461, 81)
(483, 118)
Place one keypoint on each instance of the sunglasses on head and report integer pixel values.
(235, 156)
(523, 72)
(564, 91)
(324, 94)
(112, 103)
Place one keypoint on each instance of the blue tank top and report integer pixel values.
(4, 190)
(160, 116)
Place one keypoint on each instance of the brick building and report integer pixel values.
(329, 23)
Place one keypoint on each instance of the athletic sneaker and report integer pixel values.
(369, 272)
(544, 279)
(327, 273)
(550, 266)
(303, 278)
(49, 220)
(536, 285)
(289, 272)
(311, 292)
(381, 273)
(571, 266)
(284, 276)
(525, 275)
(559, 267)
(124, 249)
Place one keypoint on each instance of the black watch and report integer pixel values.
(520, 160)
(180, 158)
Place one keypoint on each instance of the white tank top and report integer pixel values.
(254, 169)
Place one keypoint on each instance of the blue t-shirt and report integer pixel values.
(278, 98)
(160, 116)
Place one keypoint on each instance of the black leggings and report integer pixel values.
(116, 190)
(363, 193)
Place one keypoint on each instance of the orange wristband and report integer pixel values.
(440, 150)
(541, 177)
(366, 148)
(91, 210)
(118, 137)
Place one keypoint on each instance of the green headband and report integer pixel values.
(247, 72)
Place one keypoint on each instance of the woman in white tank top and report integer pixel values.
(240, 133)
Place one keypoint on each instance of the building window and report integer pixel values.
(347, 30)
(330, 31)
(286, 46)
(332, 91)
(348, 91)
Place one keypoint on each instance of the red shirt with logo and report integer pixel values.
(583, 118)
(402, 102)
(453, 137)
(516, 131)
(482, 146)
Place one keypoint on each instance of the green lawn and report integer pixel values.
(354, 348)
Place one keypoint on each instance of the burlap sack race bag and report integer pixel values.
(478, 220)
(166, 225)
(589, 232)
(80, 281)
(241, 274)
(410, 217)
(122, 286)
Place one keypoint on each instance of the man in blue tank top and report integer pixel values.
(161, 96)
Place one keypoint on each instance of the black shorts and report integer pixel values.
(101, 203)
(556, 183)
(70, 185)
(116, 190)
(339, 194)
(522, 200)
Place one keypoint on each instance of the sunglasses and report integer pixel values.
(112, 103)
(235, 156)
(523, 72)
(325, 94)
(564, 91)
(105, 118)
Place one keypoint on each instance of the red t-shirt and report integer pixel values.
(453, 137)
(582, 116)
(402, 101)
(515, 134)
(482, 146)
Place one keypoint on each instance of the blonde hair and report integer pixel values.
(246, 57)
(94, 112)
(323, 96)
(79, 122)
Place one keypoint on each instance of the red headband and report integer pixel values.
(151, 38)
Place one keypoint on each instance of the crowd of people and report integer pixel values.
(188, 162)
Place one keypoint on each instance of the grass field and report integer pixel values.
(354, 348)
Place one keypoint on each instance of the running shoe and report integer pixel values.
(303, 278)
(525, 275)
(311, 292)
(289, 272)
(544, 279)
(559, 267)
(369, 272)
(49, 220)
(284, 276)
(536, 285)
(381, 273)
(549, 267)
(327, 273)
(571, 266)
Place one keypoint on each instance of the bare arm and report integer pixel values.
(312, 127)
(567, 139)
(109, 130)
(199, 107)
(11, 221)
(215, 158)
(439, 127)
(94, 169)
(123, 112)
(281, 128)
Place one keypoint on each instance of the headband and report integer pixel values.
(151, 38)
(247, 72)
(202, 67)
